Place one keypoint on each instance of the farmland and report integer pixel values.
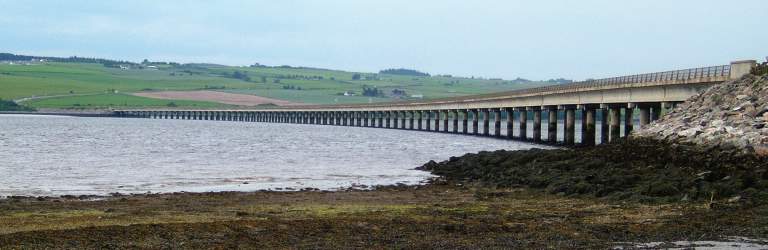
(96, 86)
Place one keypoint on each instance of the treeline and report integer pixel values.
(13, 106)
(405, 72)
(372, 92)
(71, 59)
(559, 81)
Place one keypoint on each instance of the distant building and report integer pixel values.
(348, 93)
(420, 96)
(124, 67)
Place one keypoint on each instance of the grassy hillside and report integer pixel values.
(103, 101)
(92, 85)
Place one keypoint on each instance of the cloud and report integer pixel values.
(541, 39)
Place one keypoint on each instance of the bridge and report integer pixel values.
(616, 101)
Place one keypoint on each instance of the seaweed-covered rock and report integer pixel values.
(638, 169)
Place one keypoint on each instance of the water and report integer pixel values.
(56, 155)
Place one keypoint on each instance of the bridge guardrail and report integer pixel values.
(674, 75)
(657, 77)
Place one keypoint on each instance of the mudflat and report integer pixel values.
(437, 215)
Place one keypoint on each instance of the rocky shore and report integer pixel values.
(732, 113)
(640, 169)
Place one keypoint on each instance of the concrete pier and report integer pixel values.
(455, 114)
(486, 121)
(614, 121)
(446, 117)
(588, 126)
(475, 122)
(570, 125)
(536, 124)
(629, 119)
(522, 129)
(552, 125)
(497, 122)
(510, 122)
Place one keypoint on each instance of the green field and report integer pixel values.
(91, 85)
(116, 101)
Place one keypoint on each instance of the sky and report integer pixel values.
(486, 38)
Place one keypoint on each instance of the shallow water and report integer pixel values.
(57, 155)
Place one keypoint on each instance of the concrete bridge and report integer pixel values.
(615, 101)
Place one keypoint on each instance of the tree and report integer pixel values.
(406, 72)
(356, 77)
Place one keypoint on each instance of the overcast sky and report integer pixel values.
(489, 38)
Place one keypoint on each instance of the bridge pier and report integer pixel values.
(404, 120)
(570, 125)
(497, 122)
(486, 121)
(455, 114)
(434, 119)
(604, 125)
(399, 120)
(614, 120)
(409, 115)
(588, 125)
(522, 124)
(629, 119)
(645, 115)
(536, 123)
(427, 122)
(552, 124)
(395, 119)
(510, 122)
(348, 118)
(387, 120)
(475, 121)
(446, 117)
(464, 117)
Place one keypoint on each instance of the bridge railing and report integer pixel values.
(685, 74)
(674, 75)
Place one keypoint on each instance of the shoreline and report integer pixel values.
(435, 215)
(458, 209)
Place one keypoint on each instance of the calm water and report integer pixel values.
(53, 155)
